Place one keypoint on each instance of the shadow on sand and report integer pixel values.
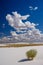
(23, 60)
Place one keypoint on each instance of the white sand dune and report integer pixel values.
(13, 56)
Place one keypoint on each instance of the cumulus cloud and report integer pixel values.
(27, 30)
(30, 25)
(19, 16)
(13, 33)
(15, 20)
(33, 8)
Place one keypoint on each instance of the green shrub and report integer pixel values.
(31, 54)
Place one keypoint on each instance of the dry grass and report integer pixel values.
(20, 45)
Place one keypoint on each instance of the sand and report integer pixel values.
(17, 56)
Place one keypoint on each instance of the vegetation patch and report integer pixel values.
(31, 54)
(20, 45)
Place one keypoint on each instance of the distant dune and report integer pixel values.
(20, 44)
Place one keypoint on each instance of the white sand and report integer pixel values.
(12, 56)
(2, 44)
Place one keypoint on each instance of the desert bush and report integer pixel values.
(31, 54)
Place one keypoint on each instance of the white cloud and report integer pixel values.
(30, 25)
(19, 16)
(28, 30)
(24, 17)
(10, 19)
(33, 8)
(15, 20)
(13, 33)
(5, 39)
(30, 7)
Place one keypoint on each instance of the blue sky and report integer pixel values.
(22, 7)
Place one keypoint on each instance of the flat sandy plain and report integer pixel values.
(17, 55)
